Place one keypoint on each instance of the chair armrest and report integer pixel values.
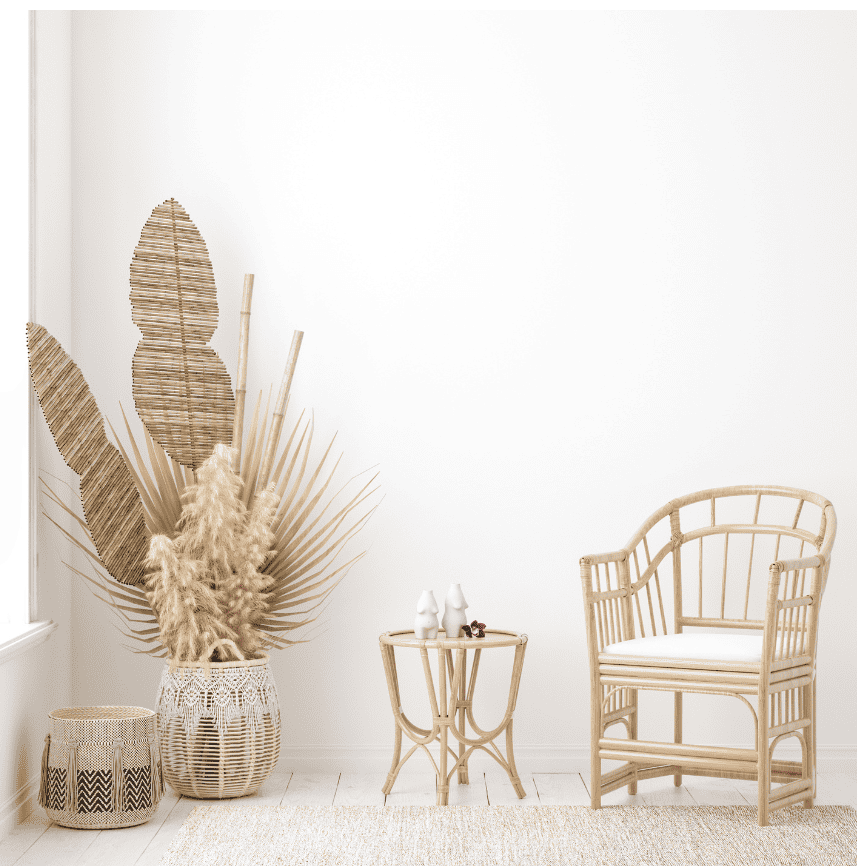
(792, 608)
(782, 565)
(602, 615)
(597, 558)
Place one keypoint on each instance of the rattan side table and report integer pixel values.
(448, 717)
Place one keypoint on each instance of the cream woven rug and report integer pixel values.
(232, 834)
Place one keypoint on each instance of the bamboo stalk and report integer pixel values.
(253, 457)
(280, 410)
(241, 375)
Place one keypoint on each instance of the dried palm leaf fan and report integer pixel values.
(133, 503)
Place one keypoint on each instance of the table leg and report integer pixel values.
(517, 666)
(389, 660)
(511, 770)
(462, 661)
(487, 738)
(397, 751)
(443, 734)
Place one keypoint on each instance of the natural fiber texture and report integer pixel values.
(206, 583)
(230, 835)
(311, 527)
(184, 603)
(219, 727)
(222, 692)
(310, 531)
(448, 718)
(752, 557)
(111, 502)
(101, 767)
(279, 411)
(181, 387)
(241, 375)
(242, 594)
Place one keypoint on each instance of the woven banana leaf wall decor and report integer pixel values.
(111, 503)
(181, 387)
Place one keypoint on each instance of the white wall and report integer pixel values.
(40, 679)
(554, 269)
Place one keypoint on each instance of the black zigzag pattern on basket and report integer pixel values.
(94, 791)
(138, 788)
(56, 788)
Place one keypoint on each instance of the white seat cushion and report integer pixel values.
(699, 647)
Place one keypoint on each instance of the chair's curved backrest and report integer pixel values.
(723, 542)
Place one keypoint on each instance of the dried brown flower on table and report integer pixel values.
(475, 629)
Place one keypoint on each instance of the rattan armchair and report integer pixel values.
(737, 615)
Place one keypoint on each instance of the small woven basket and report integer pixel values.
(219, 726)
(101, 767)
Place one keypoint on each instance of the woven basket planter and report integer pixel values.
(101, 767)
(219, 727)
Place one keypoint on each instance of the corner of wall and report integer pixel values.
(40, 679)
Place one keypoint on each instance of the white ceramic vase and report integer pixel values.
(426, 621)
(454, 611)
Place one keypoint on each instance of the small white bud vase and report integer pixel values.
(426, 621)
(454, 611)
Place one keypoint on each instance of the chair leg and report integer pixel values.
(595, 736)
(809, 699)
(763, 765)
(677, 729)
(633, 732)
(595, 778)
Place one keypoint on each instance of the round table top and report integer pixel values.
(495, 637)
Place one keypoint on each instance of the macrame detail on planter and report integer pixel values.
(191, 694)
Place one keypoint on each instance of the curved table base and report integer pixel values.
(449, 718)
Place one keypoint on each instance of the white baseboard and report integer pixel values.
(528, 759)
(23, 802)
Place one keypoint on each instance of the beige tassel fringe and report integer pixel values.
(156, 777)
(118, 776)
(71, 778)
(43, 782)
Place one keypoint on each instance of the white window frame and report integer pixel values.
(19, 627)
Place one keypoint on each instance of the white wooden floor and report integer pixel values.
(38, 841)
